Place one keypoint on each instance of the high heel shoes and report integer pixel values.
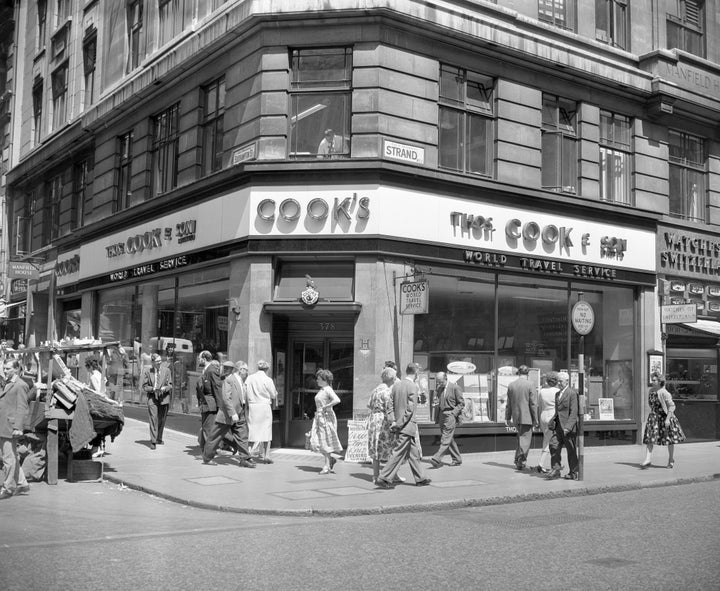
(671, 464)
(333, 461)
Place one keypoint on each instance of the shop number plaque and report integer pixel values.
(583, 318)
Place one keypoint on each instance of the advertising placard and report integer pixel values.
(414, 297)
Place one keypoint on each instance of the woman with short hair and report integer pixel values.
(662, 426)
(323, 435)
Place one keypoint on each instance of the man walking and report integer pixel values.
(403, 423)
(564, 429)
(450, 406)
(230, 417)
(157, 384)
(522, 410)
(13, 412)
(208, 391)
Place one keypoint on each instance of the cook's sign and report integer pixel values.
(414, 297)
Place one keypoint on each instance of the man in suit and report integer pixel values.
(230, 417)
(209, 392)
(563, 428)
(521, 408)
(157, 384)
(403, 423)
(450, 406)
(13, 413)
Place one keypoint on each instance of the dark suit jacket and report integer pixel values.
(566, 408)
(233, 400)
(450, 398)
(209, 389)
(13, 407)
(404, 398)
(164, 381)
(521, 403)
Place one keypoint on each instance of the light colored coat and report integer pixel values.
(13, 407)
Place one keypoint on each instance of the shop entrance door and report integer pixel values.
(307, 355)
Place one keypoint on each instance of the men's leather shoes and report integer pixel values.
(160, 442)
(5, 493)
(423, 482)
(381, 483)
(435, 463)
(152, 446)
(246, 463)
(25, 488)
(519, 466)
(553, 475)
(570, 476)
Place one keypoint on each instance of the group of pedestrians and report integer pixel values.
(235, 407)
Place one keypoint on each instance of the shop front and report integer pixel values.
(347, 277)
(689, 264)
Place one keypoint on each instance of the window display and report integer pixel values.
(481, 327)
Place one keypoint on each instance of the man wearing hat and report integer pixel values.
(157, 384)
(230, 417)
(261, 393)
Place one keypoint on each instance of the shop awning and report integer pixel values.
(708, 327)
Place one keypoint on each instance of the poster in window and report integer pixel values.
(620, 383)
(606, 409)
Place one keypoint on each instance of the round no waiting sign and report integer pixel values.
(583, 317)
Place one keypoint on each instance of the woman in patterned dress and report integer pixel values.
(662, 427)
(323, 435)
(380, 439)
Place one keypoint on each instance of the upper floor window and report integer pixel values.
(59, 96)
(123, 198)
(134, 23)
(686, 26)
(171, 19)
(51, 218)
(165, 151)
(42, 23)
(688, 197)
(89, 60)
(560, 13)
(615, 157)
(320, 102)
(611, 22)
(64, 11)
(466, 121)
(82, 191)
(559, 144)
(37, 99)
(212, 126)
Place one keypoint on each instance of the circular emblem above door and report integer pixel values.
(310, 295)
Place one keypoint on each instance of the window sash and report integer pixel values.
(560, 13)
(688, 197)
(611, 22)
(165, 153)
(559, 162)
(615, 176)
(321, 68)
(124, 188)
(213, 126)
(465, 142)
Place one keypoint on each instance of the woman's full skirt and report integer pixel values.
(323, 435)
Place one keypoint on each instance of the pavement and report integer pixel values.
(293, 485)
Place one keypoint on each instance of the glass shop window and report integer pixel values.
(333, 281)
(692, 374)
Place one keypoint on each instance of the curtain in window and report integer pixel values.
(115, 43)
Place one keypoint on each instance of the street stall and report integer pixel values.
(62, 405)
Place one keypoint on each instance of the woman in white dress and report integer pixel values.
(261, 393)
(546, 404)
(323, 435)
